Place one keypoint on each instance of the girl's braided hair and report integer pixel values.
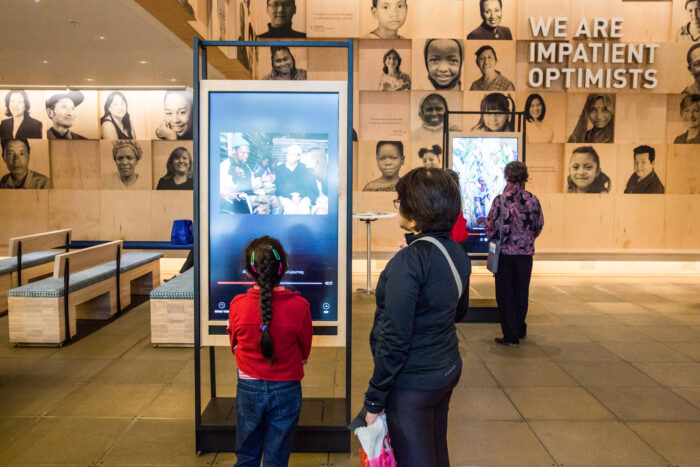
(266, 262)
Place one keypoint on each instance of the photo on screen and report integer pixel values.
(273, 173)
(275, 165)
(480, 161)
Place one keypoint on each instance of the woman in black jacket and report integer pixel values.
(414, 339)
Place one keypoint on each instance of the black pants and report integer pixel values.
(417, 422)
(512, 291)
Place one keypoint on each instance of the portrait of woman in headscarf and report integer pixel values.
(596, 124)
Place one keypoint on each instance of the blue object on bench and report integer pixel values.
(53, 287)
(29, 260)
(132, 245)
(178, 288)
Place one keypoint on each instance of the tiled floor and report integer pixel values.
(608, 375)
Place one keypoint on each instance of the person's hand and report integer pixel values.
(305, 361)
(165, 132)
(239, 172)
(370, 418)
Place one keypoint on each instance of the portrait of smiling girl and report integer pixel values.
(585, 174)
(443, 61)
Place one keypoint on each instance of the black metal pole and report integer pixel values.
(19, 263)
(197, 323)
(67, 247)
(66, 287)
(212, 370)
(119, 291)
(348, 253)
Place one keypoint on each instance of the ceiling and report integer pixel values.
(100, 43)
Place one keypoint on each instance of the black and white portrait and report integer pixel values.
(392, 78)
(281, 14)
(585, 174)
(431, 157)
(443, 63)
(179, 171)
(390, 159)
(126, 164)
(19, 124)
(491, 12)
(61, 110)
(491, 78)
(690, 29)
(389, 16)
(16, 154)
(284, 66)
(430, 111)
(115, 122)
(690, 113)
(644, 180)
(497, 113)
(538, 130)
(693, 59)
(177, 117)
(596, 123)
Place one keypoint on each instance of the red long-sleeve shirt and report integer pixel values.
(459, 231)
(290, 328)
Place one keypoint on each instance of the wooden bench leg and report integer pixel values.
(38, 320)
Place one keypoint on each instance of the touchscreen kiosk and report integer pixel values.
(479, 160)
(273, 161)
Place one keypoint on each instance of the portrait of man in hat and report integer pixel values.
(236, 179)
(61, 111)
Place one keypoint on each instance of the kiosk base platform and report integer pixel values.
(322, 426)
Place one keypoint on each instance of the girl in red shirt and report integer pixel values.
(270, 332)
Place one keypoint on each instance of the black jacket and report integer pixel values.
(29, 128)
(414, 339)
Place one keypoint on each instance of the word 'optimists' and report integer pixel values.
(615, 53)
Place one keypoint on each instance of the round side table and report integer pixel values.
(368, 218)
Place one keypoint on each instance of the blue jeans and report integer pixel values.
(267, 413)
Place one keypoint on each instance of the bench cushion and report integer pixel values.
(29, 260)
(178, 288)
(53, 287)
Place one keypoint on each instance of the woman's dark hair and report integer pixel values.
(516, 172)
(273, 50)
(26, 101)
(126, 121)
(266, 263)
(483, 49)
(430, 198)
(452, 83)
(688, 100)
(498, 102)
(398, 57)
(179, 151)
(436, 149)
(529, 102)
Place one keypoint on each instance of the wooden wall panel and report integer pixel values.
(161, 152)
(552, 236)
(264, 65)
(384, 115)
(78, 210)
(124, 215)
(681, 228)
(675, 126)
(110, 174)
(371, 55)
(545, 165)
(368, 23)
(472, 16)
(589, 222)
(86, 122)
(437, 18)
(625, 163)
(454, 102)
(505, 54)
(640, 120)
(330, 65)
(639, 221)
(683, 169)
(368, 167)
(23, 212)
(333, 18)
(167, 206)
(637, 26)
(75, 165)
(38, 158)
(554, 119)
(607, 154)
(419, 73)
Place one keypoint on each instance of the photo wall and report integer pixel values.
(613, 141)
(110, 164)
(613, 131)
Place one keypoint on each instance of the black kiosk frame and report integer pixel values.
(481, 310)
(323, 421)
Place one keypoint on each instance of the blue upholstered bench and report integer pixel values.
(39, 311)
(172, 311)
(31, 257)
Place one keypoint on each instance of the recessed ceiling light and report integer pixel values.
(173, 79)
(143, 62)
(89, 79)
(44, 61)
(37, 1)
(100, 37)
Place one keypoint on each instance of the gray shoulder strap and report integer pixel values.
(458, 280)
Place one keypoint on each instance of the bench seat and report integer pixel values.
(53, 287)
(37, 310)
(9, 265)
(37, 264)
(172, 311)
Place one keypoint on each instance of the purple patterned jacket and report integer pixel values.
(523, 221)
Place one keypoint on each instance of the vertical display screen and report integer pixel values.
(273, 170)
(480, 161)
